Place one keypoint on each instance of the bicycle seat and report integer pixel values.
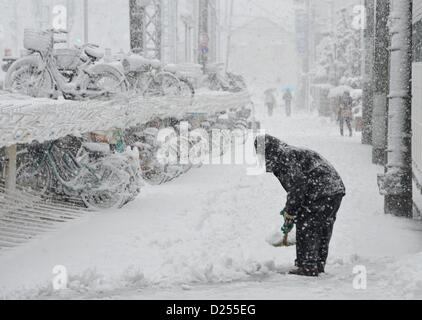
(172, 68)
(139, 63)
(155, 63)
(94, 53)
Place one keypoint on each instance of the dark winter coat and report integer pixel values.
(304, 174)
(288, 96)
(346, 107)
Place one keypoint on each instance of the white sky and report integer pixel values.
(279, 11)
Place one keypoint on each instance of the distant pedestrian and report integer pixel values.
(346, 113)
(270, 101)
(288, 97)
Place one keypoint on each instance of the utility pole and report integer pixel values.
(368, 75)
(188, 21)
(213, 19)
(381, 82)
(398, 178)
(219, 23)
(203, 31)
(229, 35)
(86, 25)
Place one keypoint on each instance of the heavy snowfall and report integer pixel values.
(130, 156)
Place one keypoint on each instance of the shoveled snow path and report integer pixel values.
(203, 236)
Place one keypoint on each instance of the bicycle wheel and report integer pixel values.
(26, 77)
(105, 80)
(34, 179)
(111, 192)
(163, 84)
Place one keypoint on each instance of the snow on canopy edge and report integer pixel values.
(24, 120)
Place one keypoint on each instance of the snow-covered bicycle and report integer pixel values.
(102, 179)
(148, 78)
(156, 172)
(41, 74)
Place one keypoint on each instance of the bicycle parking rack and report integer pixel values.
(24, 216)
(23, 120)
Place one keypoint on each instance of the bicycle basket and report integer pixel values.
(40, 41)
(67, 59)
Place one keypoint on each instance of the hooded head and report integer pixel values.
(273, 150)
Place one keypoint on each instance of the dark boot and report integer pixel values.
(321, 268)
(306, 272)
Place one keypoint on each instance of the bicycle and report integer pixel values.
(217, 79)
(39, 75)
(101, 179)
(186, 87)
(149, 79)
(146, 139)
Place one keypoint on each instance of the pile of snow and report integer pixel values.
(406, 276)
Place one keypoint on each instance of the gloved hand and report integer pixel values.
(289, 222)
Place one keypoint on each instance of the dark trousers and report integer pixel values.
(270, 108)
(348, 121)
(288, 108)
(314, 228)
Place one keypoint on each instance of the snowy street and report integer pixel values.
(219, 150)
(203, 236)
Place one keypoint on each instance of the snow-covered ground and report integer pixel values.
(204, 236)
